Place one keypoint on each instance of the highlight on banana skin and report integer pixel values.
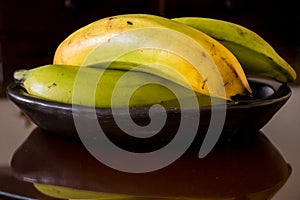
(213, 66)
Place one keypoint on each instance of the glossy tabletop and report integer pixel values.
(240, 167)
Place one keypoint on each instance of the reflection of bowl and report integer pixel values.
(242, 168)
(247, 115)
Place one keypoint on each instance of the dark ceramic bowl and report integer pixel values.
(245, 116)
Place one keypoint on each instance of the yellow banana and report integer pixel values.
(100, 87)
(163, 47)
(255, 54)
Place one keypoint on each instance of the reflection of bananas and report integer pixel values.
(56, 83)
(70, 193)
(256, 56)
(87, 41)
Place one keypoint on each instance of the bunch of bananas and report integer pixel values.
(137, 60)
(152, 60)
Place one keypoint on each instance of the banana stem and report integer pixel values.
(20, 76)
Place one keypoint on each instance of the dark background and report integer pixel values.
(31, 30)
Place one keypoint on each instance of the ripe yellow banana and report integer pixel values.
(100, 87)
(255, 54)
(163, 47)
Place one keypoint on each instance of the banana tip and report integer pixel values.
(20, 75)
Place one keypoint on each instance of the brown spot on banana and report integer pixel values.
(109, 23)
(241, 32)
(52, 85)
(129, 23)
(204, 83)
(213, 50)
(230, 66)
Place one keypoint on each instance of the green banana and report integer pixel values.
(255, 54)
(83, 86)
(163, 47)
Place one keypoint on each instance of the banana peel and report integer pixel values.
(162, 47)
(255, 54)
(100, 87)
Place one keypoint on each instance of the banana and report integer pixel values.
(255, 54)
(100, 87)
(163, 47)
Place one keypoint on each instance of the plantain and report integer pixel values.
(162, 47)
(255, 54)
(101, 87)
